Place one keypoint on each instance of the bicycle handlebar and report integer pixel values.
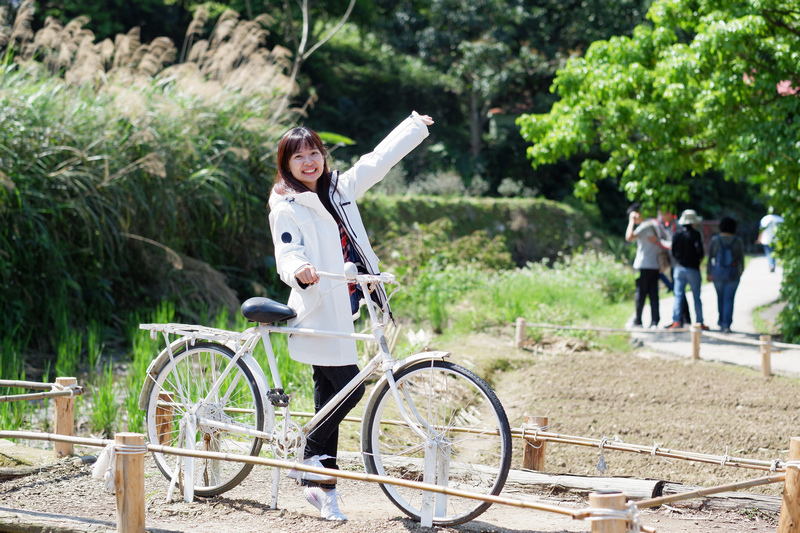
(351, 275)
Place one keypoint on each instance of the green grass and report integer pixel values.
(105, 406)
(584, 289)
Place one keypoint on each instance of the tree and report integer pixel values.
(709, 84)
(502, 53)
(156, 18)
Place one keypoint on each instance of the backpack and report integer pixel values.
(724, 269)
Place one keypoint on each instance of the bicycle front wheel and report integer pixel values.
(463, 439)
(181, 412)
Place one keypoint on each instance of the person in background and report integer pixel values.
(669, 226)
(687, 247)
(724, 268)
(645, 233)
(768, 225)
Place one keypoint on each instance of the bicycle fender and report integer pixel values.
(436, 355)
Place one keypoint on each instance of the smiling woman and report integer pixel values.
(315, 224)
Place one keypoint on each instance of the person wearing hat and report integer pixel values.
(687, 249)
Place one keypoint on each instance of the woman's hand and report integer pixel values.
(307, 275)
(426, 119)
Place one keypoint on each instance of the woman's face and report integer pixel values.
(306, 166)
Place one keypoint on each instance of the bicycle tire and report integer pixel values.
(178, 386)
(451, 399)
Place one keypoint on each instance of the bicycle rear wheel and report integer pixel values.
(466, 434)
(180, 413)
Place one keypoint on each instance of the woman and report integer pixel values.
(316, 225)
(724, 268)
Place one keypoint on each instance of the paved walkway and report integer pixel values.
(758, 288)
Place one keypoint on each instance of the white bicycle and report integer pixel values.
(426, 419)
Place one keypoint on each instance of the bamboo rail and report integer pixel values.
(591, 513)
(536, 435)
(54, 390)
(655, 502)
(608, 444)
(278, 463)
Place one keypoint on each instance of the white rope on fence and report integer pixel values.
(106, 464)
(630, 515)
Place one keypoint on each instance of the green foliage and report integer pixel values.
(12, 414)
(105, 405)
(501, 56)
(533, 229)
(94, 345)
(434, 245)
(124, 180)
(708, 85)
(118, 16)
(68, 352)
(588, 288)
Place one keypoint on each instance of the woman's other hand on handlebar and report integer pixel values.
(307, 275)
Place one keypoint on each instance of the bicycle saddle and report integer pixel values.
(266, 311)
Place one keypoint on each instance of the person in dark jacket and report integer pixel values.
(726, 288)
(687, 249)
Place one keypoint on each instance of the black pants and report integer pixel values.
(647, 287)
(329, 380)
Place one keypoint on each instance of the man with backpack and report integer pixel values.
(724, 269)
(687, 249)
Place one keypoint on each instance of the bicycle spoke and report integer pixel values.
(191, 377)
(465, 426)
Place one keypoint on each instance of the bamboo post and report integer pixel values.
(534, 455)
(696, 334)
(64, 419)
(129, 482)
(519, 335)
(789, 521)
(766, 354)
(164, 415)
(608, 500)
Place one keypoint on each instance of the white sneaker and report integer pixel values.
(325, 501)
(310, 476)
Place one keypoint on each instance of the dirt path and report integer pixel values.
(642, 399)
(69, 491)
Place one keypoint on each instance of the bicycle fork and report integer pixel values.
(437, 449)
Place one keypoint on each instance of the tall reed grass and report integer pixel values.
(128, 170)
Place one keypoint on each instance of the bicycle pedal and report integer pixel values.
(278, 398)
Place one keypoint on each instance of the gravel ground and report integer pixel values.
(642, 399)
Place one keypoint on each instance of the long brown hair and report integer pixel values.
(292, 142)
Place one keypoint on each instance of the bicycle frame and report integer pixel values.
(243, 344)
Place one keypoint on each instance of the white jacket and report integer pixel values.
(303, 232)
